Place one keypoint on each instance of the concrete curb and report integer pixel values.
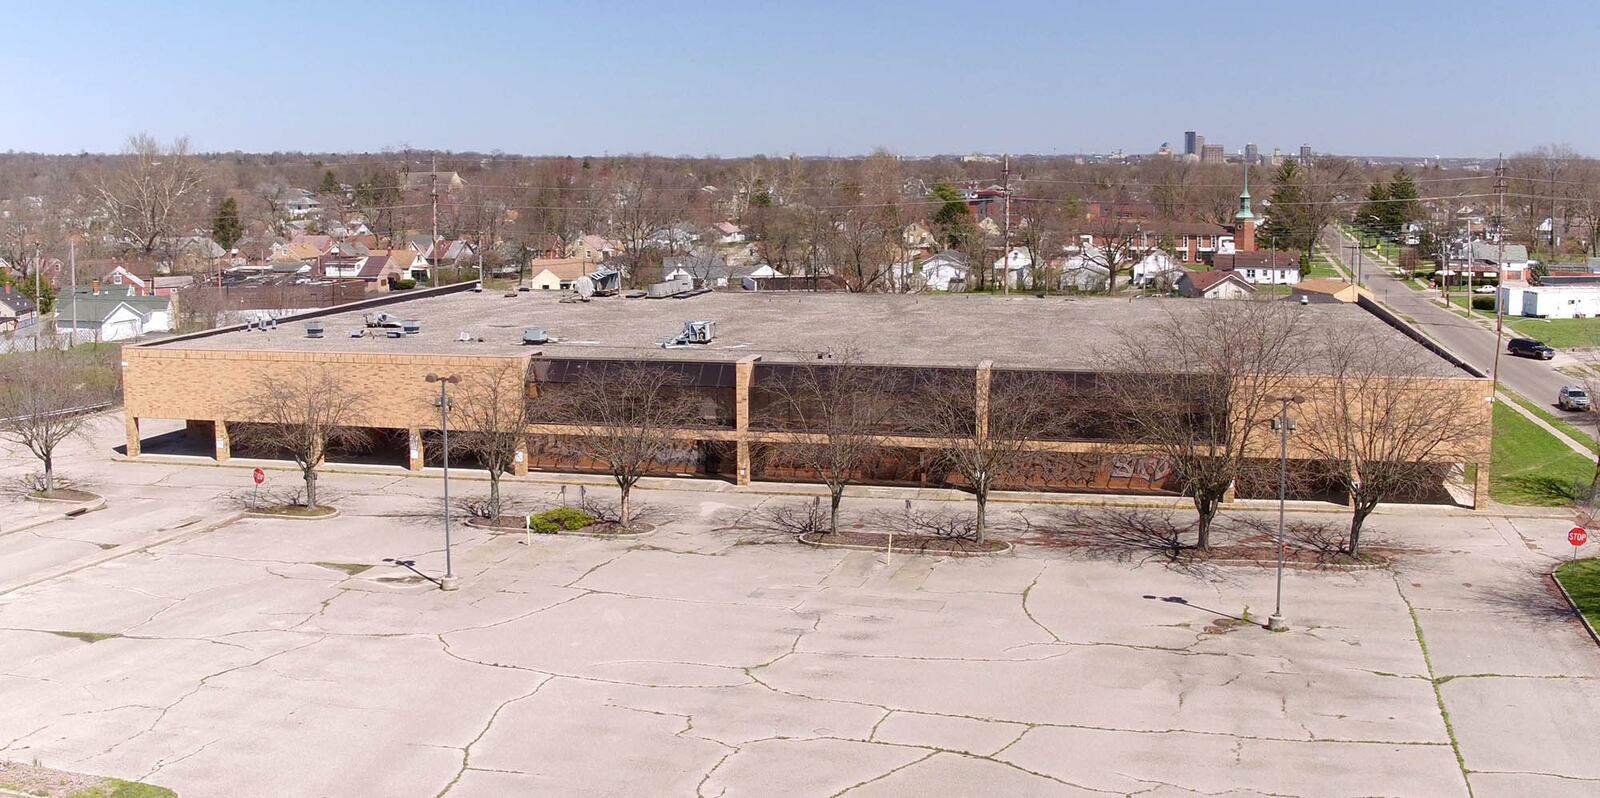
(86, 507)
(100, 559)
(822, 544)
(1583, 619)
(1297, 566)
(710, 486)
(47, 500)
(285, 517)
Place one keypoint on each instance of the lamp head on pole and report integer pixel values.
(451, 379)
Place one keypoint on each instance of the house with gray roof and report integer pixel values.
(113, 316)
(15, 309)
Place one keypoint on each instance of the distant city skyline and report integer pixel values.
(824, 78)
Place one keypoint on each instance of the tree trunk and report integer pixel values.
(311, 488)
(622, 506)
(494, 495)
(1206, 507)
(1358, 516)
(49, 474)
(983, 515)
(836, 495)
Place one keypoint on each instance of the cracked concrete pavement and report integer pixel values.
(261, 658)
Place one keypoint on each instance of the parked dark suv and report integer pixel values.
(1527, 347)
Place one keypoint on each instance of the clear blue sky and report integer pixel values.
(1392, 77)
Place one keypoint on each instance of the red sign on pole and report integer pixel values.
(261, 476)
(1578, 536)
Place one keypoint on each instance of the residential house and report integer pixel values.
(1261, 267)
(1016, 268)
(709, 269)
(728, 233)
(593, 247)
(548, 246)
(1214, 285)
(1082, 274)
(112, 315)
(944, 271)
(299, 203)
(1157, 267)
(557, 274)
(919, 240)
(675, 238)
(16, 310)
(449, 252)
(1509, 261)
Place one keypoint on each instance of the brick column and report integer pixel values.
(131, 426)
(224, 444)
(1480, 488)
(744, 372)
(415, 459)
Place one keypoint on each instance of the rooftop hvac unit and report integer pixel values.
(380, 320)
(395, 334)
(313, 329)
(411, 326)
(534, 335)
(694, 332)
(668, 288)
(606, 281)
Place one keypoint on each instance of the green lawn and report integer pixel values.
(1323, 267)
(1543, 412)
(1581, 578)
(1558, 333)
(1532, 468)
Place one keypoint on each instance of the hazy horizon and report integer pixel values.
(826, 79)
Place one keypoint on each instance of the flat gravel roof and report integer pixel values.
(931, 330)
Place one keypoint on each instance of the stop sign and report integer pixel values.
(261, 476)
(1578, 536)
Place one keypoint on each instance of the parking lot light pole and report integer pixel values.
(449, 580)
(1275, 622)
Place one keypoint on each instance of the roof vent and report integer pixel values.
(534, 335)
(313, 329)
(411, 326)
(395, 334)
(668, 288)
(694, 332)
(359, 332)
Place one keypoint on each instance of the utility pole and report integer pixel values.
(1500, 263)
(433, 197)
(38, 296)
(1005, 235)
(72, 266)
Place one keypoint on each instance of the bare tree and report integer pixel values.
(1194, 385)
(1382, 422)
(45, 399)
(300, 417)
(835, 409)
(1114, 246)
(147, 198)
(984, 441)
(490, 416)
(625, 414)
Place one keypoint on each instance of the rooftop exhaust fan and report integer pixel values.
(313, 329)
(694, 332)
(411, 326)
(534, 335)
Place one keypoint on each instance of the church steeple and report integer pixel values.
(1244, 198)
(1244, 222)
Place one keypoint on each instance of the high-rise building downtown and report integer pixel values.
(1191, 142)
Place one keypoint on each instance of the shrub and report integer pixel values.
(405, 285)
(1483, 303)
(551, 521)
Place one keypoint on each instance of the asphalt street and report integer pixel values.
(1470, 340)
